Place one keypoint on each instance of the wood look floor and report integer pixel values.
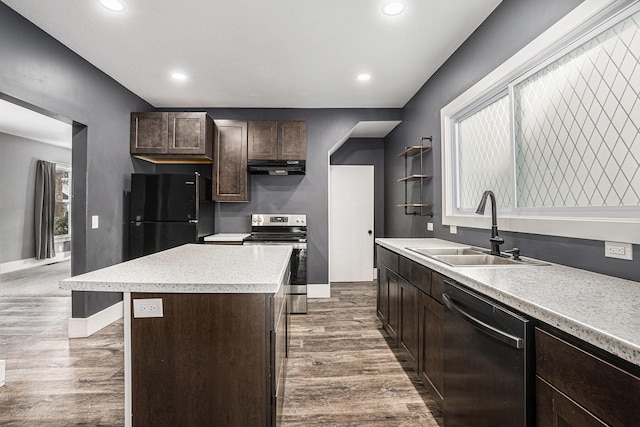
(50, 379)
(341, 371)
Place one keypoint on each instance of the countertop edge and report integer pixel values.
(147, 274)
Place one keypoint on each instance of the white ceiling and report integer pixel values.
(16, 120)
(262, 54)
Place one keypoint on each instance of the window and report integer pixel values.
(63, 201)
(558, 143)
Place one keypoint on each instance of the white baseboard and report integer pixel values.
(21, 264)
(2, 377)
(319, 290)
(82, 327)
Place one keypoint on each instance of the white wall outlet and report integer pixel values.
(618, 250)
(2, 375)
(429, 226)
(94, 221)
(147, 307)
(453, 229)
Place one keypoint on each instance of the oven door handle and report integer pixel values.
(499, 335)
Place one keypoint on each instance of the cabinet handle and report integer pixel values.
(499, 335)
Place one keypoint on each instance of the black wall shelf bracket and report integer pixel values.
(410, 152)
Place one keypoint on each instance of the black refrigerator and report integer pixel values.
(168, 210)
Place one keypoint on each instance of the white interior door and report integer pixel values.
(351, 223)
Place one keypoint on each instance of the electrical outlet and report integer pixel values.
(618, 250)
(429, 226)
(453, 229)
(147, 307)
(94, 221)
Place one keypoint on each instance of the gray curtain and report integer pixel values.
(45, 207)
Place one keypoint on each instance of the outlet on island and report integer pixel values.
(618, 250)
(147, 307)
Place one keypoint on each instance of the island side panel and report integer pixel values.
(205, 362)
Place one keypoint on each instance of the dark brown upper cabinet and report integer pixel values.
(230, 176)
(277, 140)
(172, 137)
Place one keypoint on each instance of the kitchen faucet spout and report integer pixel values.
(495, 240)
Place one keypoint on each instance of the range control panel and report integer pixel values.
(278, 219)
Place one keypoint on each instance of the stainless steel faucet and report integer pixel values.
(495, 240)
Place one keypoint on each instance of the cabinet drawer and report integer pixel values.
(437, 286)
(595, 384)
(421, 277)
(387, 258)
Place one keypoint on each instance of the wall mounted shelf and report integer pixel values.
(421, 207)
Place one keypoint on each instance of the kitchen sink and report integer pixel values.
(447, 251)
(476, 260)
(472, 257)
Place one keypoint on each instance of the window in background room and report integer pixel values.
(63, 201)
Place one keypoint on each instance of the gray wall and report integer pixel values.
(41, 72)
(18, 160)
(509, 28)
(367, 151)
(294, 194)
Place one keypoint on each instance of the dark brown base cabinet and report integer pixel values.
(410, 308)
(172, 137)
(576, 387)
(213, 359)
(576, 384)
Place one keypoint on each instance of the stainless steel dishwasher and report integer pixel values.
(488, 362)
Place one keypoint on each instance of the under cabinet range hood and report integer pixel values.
(276, 167)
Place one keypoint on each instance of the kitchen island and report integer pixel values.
(205, 331)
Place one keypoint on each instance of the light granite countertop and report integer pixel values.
(193, 268)
(601, 310)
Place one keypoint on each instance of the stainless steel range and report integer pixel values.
(286, 229)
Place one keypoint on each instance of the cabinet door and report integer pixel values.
(382, 301)
(393, 320)
(149, 133)
(430, 346)
(190, 133)
(408, 333)
(292, 140)
(263, 140)
(279, 355)
(230, 177)
(554, 408)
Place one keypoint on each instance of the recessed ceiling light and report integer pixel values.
(393, 8)
(364, 77)
(115, 5)
(178, 76)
